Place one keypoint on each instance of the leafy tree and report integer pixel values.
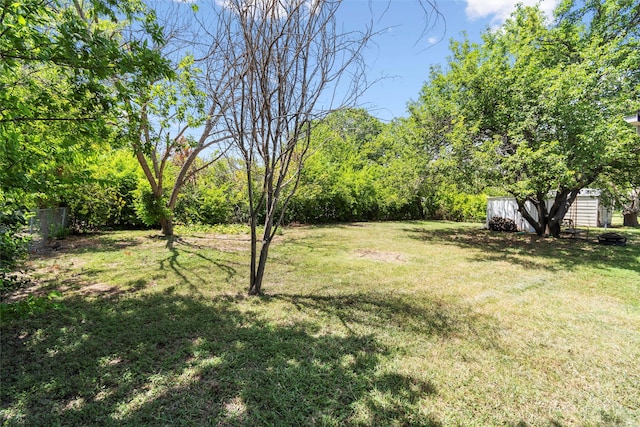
(160, 117)
(358, 169)
(337, 182)
(538, 106)
(58, 61)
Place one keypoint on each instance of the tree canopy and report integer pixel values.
(65, 68)
(538, 106)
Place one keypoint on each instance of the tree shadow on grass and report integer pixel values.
(178, 247)
(426, 316)
(91, 242)
(432, 317)
(169, 360)
(69, 276)
(525, 249)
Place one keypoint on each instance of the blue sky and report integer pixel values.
(402, 54)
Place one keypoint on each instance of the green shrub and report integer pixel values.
(99, 205)
(149, 209)
(215, 206)
(14, 245)
(452, 205)
(207, 205)
(106, 197)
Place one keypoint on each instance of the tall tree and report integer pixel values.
(282, 59)
(545, 101)
(170, 124)
(358, 169)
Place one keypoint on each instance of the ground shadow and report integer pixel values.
(169, 360)
(524, 249)
(83, 280)
(179, 247)
(95, 242)
(423, 315)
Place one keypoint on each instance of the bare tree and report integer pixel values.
(285, 65)
(285, 61)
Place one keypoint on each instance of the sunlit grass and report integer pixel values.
(409, 323)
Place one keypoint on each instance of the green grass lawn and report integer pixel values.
(405, 323)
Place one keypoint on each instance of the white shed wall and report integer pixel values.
(506, 207)
(585, 211)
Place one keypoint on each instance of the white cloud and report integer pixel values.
(500, 10)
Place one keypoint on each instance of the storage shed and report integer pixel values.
(507, 207)
(586, 210)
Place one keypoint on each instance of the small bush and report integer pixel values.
(149, 209)
(13, 247)
(502, 224)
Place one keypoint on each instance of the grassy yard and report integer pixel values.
(406, 323)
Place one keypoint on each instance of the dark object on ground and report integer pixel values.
(502, 224)
(613, 239)
(568, 229)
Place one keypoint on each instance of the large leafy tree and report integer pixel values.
(58, 61)
(538, 106)
(338, 180)
(59, 64)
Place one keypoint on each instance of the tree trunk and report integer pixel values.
(258, 273)
(167, 226)
(254, 287)
(549, 221)
(555, 227)
(630, 219)
(541, 225)
(563, 200)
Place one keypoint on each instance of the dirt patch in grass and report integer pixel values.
(219, 242)
(380, 256)
(98, 289)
